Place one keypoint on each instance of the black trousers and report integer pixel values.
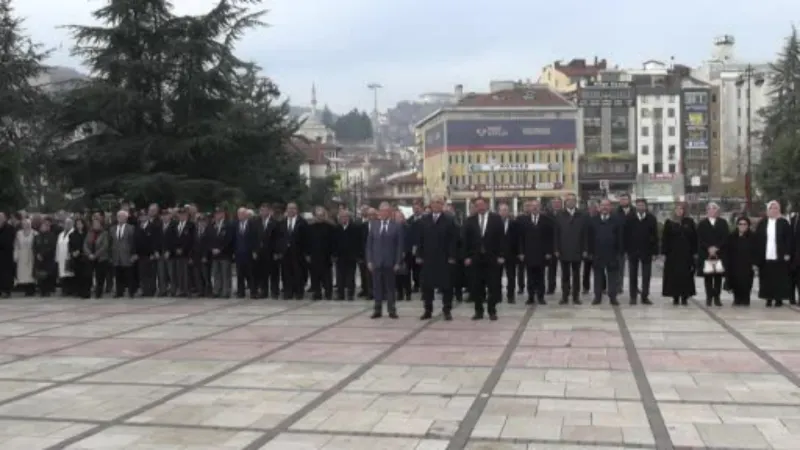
(795, 283)
(402, 284)
(345, 277)
(586, 280)
(486, 276)
(366, 280)
(646, 264)
(99, 271)
(7, 272)
(321, 277)
(521, 273)
(294, 280)
(201, 277)
(244, 276)
(124, 280)
(570, 279)
(148, 268)
(552, 270)
(414, 270)
(536, 288)
(457, 276)
(713, 284)
(605, 275)
(510, 269)
(429, 293)
(266, 276)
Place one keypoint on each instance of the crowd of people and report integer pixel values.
(277, 253)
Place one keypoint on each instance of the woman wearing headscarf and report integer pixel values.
(80, 266)
(740, 258)
(712, 232)
(679, 246)
(24, 258)
(66, 274)
(774, 249)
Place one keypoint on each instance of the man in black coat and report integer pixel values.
(220, 243)
(623, 212)
(185, 234)
(349, 249)
(269, 252)
(413, 234)
(556, 208)
(484, 247)
(511, 233)
(571, 227)
(7, 237)
(437, 254)
(605, 247)
(295, 230)
(640, 243)
(148, 247)
(535, 249)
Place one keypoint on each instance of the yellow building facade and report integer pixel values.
(514, 145)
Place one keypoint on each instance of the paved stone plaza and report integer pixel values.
(276, 375)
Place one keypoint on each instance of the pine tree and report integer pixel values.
(777, 176)
(20, 64)
(176, 115)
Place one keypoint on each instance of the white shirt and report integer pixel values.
(120, 231)
(571, 212)
(534, 218)
(641, 216)
(712, 220)
(266, 223)
(291, 224)
(482, 223)
(505, 226)
(435, 217)
(384, 226)
(772, 240)
(180, 227)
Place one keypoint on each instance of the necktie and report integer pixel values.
(180, 229)
(383, 227)
(241, 228)
(535, 219)
(435, 217)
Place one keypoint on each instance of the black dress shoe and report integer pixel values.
(447, 316)
(530, 301)
(425, 316)
(477, 317)
(596, 302)
(492, 316)
(614, 302)
(541, 301)
(577, 301)
(646, 301)
(393, 315)
(376, 315)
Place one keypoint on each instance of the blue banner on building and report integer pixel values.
(510, 134)
(434, 138)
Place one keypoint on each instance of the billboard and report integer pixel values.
(511, 134)
(696, 119)
(515, 167)
(434, 138)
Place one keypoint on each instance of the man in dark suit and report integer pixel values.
(605, 247)
(7, 237)
(414, 230)
(384, 253)
(795, 222)
(484, 246)
(511, 233)
(586, 271)
(148, 247)
(123, 254)
(349, 249)
(245, 245)
(437, 255)
(200, 263)
(623, 213)
(570, 236)
(640, 243)
(185, 234)
(269, 253)
(221, 245)
(535, 249)
(367, 216)
(295, 230)
(556, 208)
(166, 269)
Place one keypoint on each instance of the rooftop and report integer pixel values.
(522, 95)
(578, 67)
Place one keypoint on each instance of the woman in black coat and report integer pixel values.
(774, 249)
(740, 258)
(679, 246)
(45, 268)
(712, 232)
(82, 282)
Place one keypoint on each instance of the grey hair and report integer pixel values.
(712, 205)
(123, 213)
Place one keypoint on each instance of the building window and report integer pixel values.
(516, 157)
(670, 112)
(671, 152)
(713, 134)
(659, 168)
(671, 99)
(713, 98)
(645, 150)
(738, 131)
(671, 131)
(645, 168)
(643, 99)
(645, 112)
(672, 168)
(645, 131)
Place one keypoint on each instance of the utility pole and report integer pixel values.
(748, 78)
(375, 87)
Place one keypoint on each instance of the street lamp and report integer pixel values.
(748, 78)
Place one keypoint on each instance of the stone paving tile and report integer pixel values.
(220, 407)
(287, 375)
(585, 421)
(577, 324)
(723, 387)
(64, 317)
(25, 346)
(703, 361)
(300, 441)
(702, 324)
(407, 322)
(152, 438)
(86, 330)
(36, 435)
(600, 384)
(173, 332)
(333, 353)
(428, 355)
(361, 335)
(787, 327)
(119, 348)
(10, 389)
(139, 318)
(570, 358)
(789, 359)
(699, 341)
(769, 341)
(421, 380)
(219, 350)
(20, 328)
(215, 319)
(465, 337)
(558, 338)
(269, 334)
(85, 402)
(162, 371)
(508, 446)
(388, 414)
(297, 320)
(56, 368)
